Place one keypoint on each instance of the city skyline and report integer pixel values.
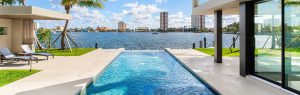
(136, 13)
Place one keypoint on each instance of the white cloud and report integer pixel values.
(160, 1)
(135, 4)
(134, 14)
(85, 17)
(179, 20)
(138, 15)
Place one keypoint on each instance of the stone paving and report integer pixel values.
(67, 75)
(61, 75)
(224, 77)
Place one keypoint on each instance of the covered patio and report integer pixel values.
(277, 60)
(18, 24)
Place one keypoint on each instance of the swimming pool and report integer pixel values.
(146, 73)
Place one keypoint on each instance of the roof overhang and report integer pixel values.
(31, 12)
(229, 7)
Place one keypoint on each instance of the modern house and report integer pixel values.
(274, 22)
(16, 24)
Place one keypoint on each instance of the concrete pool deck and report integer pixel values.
(61, 75)
(67, 75)
(224, 77)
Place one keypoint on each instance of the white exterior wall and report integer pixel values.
(14, 38)
(5, 40)
(229, 7)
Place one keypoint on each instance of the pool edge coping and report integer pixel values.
(100, 72)
(210, 87)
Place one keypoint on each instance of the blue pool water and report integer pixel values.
(146, 73)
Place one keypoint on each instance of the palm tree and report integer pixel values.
(68, 4)
(12, 2)
(44, 35)
(22, 2)
(8, 2)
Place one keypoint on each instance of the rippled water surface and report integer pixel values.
(149, 41)
(146, 73)
(142, 41)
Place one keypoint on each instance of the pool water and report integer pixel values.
(146, 73)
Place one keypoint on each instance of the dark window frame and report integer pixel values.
(284, 81)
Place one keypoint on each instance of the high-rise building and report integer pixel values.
(164, 21)
(122, 26)
(198, 21)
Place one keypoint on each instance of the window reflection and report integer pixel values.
(292, 42)
(268, 40)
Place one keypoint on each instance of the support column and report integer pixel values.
(247, 38)
(218, 36)
(17, 35)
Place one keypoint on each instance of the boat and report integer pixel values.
(155, 33)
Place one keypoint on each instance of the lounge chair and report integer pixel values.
(28, 51)
(7, 55)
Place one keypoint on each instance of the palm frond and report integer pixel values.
(8, 2)
(69, 2)
(91, 3)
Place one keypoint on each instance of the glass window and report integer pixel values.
(3, 30)
(292, 42)
(268, 39)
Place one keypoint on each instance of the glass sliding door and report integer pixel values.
(277, 42)
(292, 43)
(268, 40)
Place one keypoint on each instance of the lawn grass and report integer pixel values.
(226, 51)
(9, 76)
(277, 52)
(258, 52)
(67, 52)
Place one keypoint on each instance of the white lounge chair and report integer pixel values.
(28, 51)
(7, 55)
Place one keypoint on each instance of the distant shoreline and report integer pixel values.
(152, 31)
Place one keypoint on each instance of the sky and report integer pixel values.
(136, 13)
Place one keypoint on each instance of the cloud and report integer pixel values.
(135, 14)
(179, 20)
(229, 19)
(138, 15)
(82, 17)
(160, 1)
(85, 17)
(85, 13)
(135, 4)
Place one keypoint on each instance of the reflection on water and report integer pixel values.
(160, 74)
(142, 41)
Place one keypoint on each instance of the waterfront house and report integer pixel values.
(278, 18)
